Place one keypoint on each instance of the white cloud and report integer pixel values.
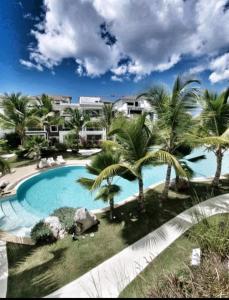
(30, 65)
(150, 35)
(220, 68)
(116, 78)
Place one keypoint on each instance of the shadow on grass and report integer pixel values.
(37, 281)
(136, 225)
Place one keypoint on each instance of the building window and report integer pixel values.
(53, 128)
(136, 104)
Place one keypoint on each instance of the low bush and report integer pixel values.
(13, 140)
(210, 280)
(41, 234)
(212, 235)
(66, 217)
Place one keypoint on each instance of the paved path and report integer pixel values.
(3, 270)
(19, 173)
(110, 278)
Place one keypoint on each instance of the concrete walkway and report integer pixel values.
(3, 270)
(19, 173)
(110, 278)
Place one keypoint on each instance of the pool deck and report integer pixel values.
(25, 172)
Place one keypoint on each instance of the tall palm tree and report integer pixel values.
(133, 142)
(108, 116)
(108, 189)
(17, 114)
(173, 117)
(43, 108)
(214, 126)
(77, 119)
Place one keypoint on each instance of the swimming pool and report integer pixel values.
(40, 195)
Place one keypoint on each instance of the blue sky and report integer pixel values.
(111, 48)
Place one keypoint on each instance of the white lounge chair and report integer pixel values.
(60, 160)
(51, 162)
(43, 163)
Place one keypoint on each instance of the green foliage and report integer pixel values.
(41, 234)
(4, 166)
(66, 217)
(212, 236)
(34, 145)
(210, 280)
(77, 119)
(72, 141)
(12, 139)
(17, 114)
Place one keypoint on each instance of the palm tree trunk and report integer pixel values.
(22, 138)
(141, 195)
(219, 159)
(167, 183)
(111, 208)
(177, 180)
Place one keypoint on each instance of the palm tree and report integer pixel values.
(34, 146)
(109, 115)
(108, 190)
(214, 126)
(181, 153)
(173, 117)
(77, 119)
(17, 114)
(134, 141)
(43, 108)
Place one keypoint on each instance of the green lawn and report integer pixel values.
(173, 259)
(38, 271)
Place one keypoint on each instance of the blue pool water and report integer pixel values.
(40, 195)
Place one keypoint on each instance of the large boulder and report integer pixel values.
(55, 226)
(84, 220)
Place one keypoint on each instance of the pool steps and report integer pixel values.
(17, 218)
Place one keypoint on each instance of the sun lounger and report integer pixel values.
(60, 160)
(43, 163)
(51, 162)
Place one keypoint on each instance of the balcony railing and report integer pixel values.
(33, 129)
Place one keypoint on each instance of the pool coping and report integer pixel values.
(11, 189)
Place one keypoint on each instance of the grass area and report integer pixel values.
(174, 259)
(38, 271)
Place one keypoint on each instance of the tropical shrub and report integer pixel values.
(71, 141)
(212, 236)
(66, 217)
(210, 280)
(41, 234)
(12, 139)
(61, 147)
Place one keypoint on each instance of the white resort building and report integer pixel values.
(93, 106)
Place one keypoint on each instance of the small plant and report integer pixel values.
(41, 234)
(212, 236)
(66, 217)
(210, 280)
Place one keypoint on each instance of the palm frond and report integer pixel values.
(86, 182)
(109, 172)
